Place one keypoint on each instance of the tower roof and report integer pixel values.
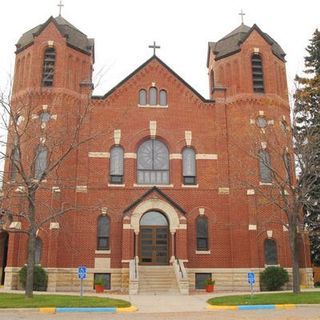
(75, 38)
(231, 43)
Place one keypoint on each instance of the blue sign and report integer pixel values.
(251, 278)
(82, 272)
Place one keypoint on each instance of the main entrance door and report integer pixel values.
(154, 239)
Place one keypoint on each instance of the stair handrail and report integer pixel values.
(182, 269)
(133, 266)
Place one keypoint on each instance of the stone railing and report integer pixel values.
(181, 276)
(133, 276)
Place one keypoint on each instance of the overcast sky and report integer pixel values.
(123, 29)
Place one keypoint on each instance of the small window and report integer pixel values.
(261, 122)
(202, 234)
(142, 97)
(270, 252)
(103, 233)
(41, 161)
(44, 116)
(105, 278)
(38, 250)
(15, 157)
(153, 93)
(48, 67)
(257, 73)
(287, 165)
(163, 98)
(116, 165)
(265, 167)
(201, 279)
(189, 166)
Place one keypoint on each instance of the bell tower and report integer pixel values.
(246, 61)
(53, 55)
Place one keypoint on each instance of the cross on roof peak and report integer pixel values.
(154, 47)
(60, 5)
(242, 14)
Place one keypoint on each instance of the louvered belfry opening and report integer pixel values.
(48, 67)
(257, 73)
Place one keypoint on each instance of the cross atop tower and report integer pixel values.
(60, 5)
(154, 47)
(242, 14)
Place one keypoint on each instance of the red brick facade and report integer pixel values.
(222, 131)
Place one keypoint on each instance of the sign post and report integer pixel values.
(251, 281)
(82, 274)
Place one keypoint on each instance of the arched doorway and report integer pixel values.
(4, 238)
(154, 240)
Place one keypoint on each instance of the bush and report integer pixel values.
(40, 278)
(317, 284)
(273, 278)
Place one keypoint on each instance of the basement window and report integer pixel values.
(105, 278)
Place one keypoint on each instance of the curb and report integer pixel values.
(252, 307)
(88, 309)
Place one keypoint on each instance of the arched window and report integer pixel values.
(41, 161)
(202, 234)
(163, 98)
(153, 163)
(189, 166)
(15, 157)
(211, 81)
(257, 73)
(287, 165)
(153, 99)
(116, 165)
(265, 167)
(38, 251)
(153, 218)
(48, 67)
(142, 97)
(103, 233)
(270, 252)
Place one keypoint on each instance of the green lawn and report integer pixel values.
(269, 298)
(12, 300)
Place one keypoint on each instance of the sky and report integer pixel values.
(123, 29)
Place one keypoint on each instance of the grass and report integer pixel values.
(269, 298)
(12, 300)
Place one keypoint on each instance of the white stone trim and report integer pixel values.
(45, 106)
(153, 185)
(201, 211)
(252, 227)
(265, 183)
(252, 121)
(50, 43)
(153, 128)
(269, 233)
(203, 252)
(271, 122)
(102, 252)
(155, 204)
(20, 189)
(56, 189)
(261, 113)
(125, 261)
(54, 226)
(183, 226)
(126, 226)
(285, 228)
(256, 50)
(117, 136)
(188, 137)
(190, 186)
(34, 116)
(111, 185)
(54, 117)
(99, 154)
(264, 145)
(153, 106)
(250, 192)
(223, 190)
(15, 225)
(130, 155)
(174, 156)
(206, 156)
(81, 189)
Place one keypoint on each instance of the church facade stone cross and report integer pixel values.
(154, 47)
(242, 14)
(60, 5)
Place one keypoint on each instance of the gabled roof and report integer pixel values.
(231, 43)
(161, 193)
(154, 57)
(75, 38)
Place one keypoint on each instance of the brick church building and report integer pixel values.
(164, 193)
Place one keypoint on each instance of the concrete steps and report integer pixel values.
(157, 280)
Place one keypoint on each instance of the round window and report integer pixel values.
(261, 122)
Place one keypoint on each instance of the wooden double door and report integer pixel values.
(154, 245)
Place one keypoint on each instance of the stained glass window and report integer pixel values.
(270, 252)
(116, 165)
(265, 167)
(142, 97)
(41, 161)
(153, 93)
(163, 98)
(103, 233)
(189, 166)
(202, 234)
